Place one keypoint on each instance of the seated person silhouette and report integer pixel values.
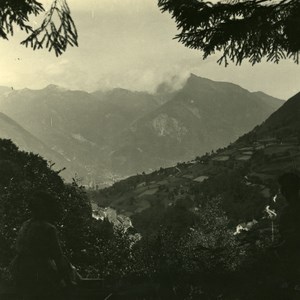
(289, 228)
(40, 269)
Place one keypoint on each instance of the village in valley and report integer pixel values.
(260, 161)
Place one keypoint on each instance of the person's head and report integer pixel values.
(43, 206)
(289, 186)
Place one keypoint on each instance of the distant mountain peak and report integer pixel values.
(120, 91)
(199, 82)
(196, 77)
(55, 87)
(259, 93)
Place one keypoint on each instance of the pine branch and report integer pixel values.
(251, 29)
(50, 35)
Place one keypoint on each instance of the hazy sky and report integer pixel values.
(129, 44)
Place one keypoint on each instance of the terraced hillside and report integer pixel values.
(243, 175)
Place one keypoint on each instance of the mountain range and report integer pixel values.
(103, 136)
(202, 116)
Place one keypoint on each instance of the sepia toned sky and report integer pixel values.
(129, 44)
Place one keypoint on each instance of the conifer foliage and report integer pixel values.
(239, 29)
(56, 32)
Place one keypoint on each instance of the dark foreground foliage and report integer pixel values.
(239, 29)
(183, 253)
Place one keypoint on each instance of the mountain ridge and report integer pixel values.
(203, 110)
(120, 132)
(9, 129)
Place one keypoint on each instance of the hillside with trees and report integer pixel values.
(241, 177)
(239, 184)
(150, 259)
(243, 174)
